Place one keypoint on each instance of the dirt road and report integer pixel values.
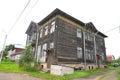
(15, 76)
(109, 75)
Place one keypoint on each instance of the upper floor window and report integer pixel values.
(79, 34)
(46, 30)
(91, 38)
(79, 52)
(41, 31)
(86, 35)
(51, 45)
(45, 46)
(52, 27)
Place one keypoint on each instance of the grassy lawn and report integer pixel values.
(13, 67)
(118, 73)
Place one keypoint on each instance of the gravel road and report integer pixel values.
(108, 75)
(15, 76)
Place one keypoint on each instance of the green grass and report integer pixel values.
(118, 73)
(9, 67)
(13, 67)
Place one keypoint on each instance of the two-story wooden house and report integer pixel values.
(63, 40)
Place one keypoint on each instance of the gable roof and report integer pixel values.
(58, 11)
(32, 28)
(86, 25)
(91, 26)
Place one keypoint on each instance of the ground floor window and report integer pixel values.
(79, 52)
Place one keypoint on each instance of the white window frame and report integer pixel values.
(41, 32)
(79, 33)
(52, 45)
(52, 27)
(38, 53)
(79, 52)
(46, 30)
(43, 55)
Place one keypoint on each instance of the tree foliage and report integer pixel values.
(7, 48)
(27, 57)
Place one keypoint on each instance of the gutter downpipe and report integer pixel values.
(36, 46)
(95, 48)
(84, 49)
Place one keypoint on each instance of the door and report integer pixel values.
(50, 57)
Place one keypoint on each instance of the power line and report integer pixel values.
(19, 16)
(112, 29)
(31, 8)
(13, 27)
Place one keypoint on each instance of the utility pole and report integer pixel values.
(3, 48)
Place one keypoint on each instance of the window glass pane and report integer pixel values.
(46, 30)
(43, 56)
(53, 23)
(79, 33)
(51, 45)
(38, 53)
(79, 52)
(41, 31)
(52, 27)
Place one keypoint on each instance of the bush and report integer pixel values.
(27, 61)
(26, 58)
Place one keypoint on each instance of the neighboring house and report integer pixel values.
(15, 53)
(61, 39)
(110, 58)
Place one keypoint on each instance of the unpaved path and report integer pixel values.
(15, 76)
(108, 75)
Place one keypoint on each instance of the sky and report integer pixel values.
(105, 15)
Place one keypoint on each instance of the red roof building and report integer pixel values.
(110, 58)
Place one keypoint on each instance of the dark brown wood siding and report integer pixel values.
(66, 42)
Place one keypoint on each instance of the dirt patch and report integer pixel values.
(15, 76)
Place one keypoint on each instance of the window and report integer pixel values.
(88, 56)
(43, 55)
(79, 52)
(52, 27)
(38, 53)
(103, 57)
(33, 37)
(86, 35)
(101, 42)
(39, 50)
(41, 31)
(46, 30)
(44, 46)
(51, 45)
(79, 33)
(92, 55)
(91, 37)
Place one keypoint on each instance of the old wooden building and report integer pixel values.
(63, 40)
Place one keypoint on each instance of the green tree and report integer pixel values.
(7, 48)
(27, 57)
